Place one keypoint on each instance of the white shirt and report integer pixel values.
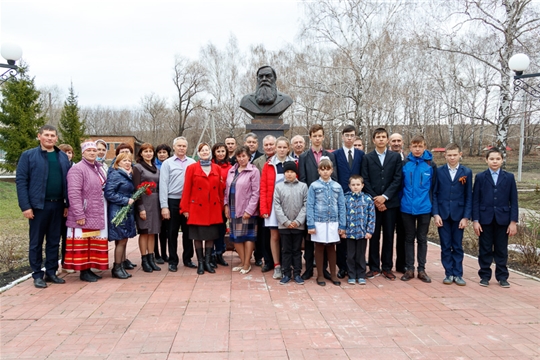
(453, 171)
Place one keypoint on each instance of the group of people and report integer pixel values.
(334, 202)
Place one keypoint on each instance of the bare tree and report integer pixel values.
(504, 26)
(190, 80)
(224, 74)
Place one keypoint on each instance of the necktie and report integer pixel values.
(494, 177)
(350, 159)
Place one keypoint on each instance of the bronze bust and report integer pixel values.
(266, 101)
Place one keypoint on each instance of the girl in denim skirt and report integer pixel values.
(326, 218)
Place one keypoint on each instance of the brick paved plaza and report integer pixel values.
(164, 315)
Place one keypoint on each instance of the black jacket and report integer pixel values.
(383, 180)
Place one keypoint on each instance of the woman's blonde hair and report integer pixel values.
(121, 157)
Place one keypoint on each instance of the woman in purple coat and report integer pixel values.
(86, 243)
(242, 206)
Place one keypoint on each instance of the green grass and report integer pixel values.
(10, 213)
(14, 237)
(529, 200)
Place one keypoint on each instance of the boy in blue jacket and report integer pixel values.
(360, 228)
(419, 178)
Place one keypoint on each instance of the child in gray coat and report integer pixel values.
(290, 199)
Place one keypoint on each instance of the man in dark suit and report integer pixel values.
(452, 207)
(395, 142)
(308, 172)
(495, 216)
(348, 160)
(252, 142)
(381, 170)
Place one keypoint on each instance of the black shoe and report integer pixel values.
(200, 268)
(213, 262)
(258, 263)
(152, 262)
(266, 268)
(207, 266)
(337, 283)
(190, 265)
(145, 264)
(504, 283)
(327, 275)
(85, 276)
(165, 258)
(160, 261)
(484, 282)
(341, 274)
(307, 275)
(117, 272)
(54, 279)
(128, 265)
(221, 261)
(40, 283)
(173, 268)
(321, 282)
(95, 275)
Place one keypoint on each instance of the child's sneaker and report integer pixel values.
(351, 281)
(277, 273)
(361, 281)
(298, 279)
(285, 280)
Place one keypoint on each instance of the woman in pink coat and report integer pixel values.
(241, 206)
(86, 243)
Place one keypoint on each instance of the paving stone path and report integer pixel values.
(165, 315)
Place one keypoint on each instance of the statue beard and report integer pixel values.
(266, 94)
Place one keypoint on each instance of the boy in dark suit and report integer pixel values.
(348, 161)
(381, 170)
(495, 216)
(452, 207)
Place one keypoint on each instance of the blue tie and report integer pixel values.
(494, 176)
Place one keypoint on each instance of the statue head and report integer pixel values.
(266, 92)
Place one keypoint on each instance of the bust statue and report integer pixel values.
(266, 100)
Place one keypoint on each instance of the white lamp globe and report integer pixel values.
(519, 62)
(11, 52)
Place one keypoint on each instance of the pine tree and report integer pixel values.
(20, 118)
(72, 129)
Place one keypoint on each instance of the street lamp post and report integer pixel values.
(12, 53)
(519, 63)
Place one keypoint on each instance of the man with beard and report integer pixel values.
(266, 101)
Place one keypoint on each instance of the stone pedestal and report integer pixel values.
(267, 125)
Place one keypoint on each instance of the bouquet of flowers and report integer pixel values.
(144, 187)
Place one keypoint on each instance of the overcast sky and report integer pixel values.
(117, 51)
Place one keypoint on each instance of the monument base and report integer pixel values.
(262, 126)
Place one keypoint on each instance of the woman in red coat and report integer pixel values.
(202, 205)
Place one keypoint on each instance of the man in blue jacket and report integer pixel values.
(42, 193)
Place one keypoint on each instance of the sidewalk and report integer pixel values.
(164, 315)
